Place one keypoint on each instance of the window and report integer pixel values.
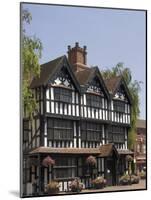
(91, 131)
(26, 130)
(116, 134)
(59, 129)
(63, 95)
(64, 168)
(94, 100)
(119, 106)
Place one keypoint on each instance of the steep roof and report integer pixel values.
(107, 150)
(112, 83)
(84, 75)
(48, 70)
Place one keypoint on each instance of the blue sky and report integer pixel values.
(111, 36)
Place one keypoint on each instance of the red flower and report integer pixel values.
(48, 161)
(91, 160)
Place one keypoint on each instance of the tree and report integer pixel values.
(31, 53)
(134, 88)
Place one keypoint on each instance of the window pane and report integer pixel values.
(64, 95)
(94, 100)
(119, 106)
(91, 131)
(60, 129)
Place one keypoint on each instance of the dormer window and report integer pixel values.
(119, 106)
(63, 94)
(94, 100)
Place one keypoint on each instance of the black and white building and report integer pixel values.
(79, 114)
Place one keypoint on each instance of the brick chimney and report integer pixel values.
(77, 57)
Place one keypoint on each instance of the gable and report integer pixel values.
(96, 83)
(64, 76)
(95, 86)
(122, 93)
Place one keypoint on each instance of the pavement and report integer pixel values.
(140, 186)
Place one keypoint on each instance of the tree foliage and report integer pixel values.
(31, 53)
(134, 88)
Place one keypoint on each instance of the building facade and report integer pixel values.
(140, 146)
(79, 115)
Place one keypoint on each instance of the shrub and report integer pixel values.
(99, 182)
(142, 175)
(76, 185)
(53, 187)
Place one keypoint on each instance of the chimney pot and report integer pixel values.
(69, 47)
(77, 56)
(77, 44)
(85, 48)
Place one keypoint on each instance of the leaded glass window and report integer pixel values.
(91, 131)
(94, 100)
(59, 129)
(63, 94)
(64, 168)
(116, 134)
(119, 106)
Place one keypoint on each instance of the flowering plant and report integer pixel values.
(76, 185)
(129, 158)
(135, 179)
(99, 182)
(48, 161)
(91, 160)
(125, 179)
(53, 187)
(142, 175)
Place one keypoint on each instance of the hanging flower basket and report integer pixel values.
(129, 158)
(48, 161)
(91, 160)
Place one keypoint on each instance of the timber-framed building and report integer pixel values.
(79, 115)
